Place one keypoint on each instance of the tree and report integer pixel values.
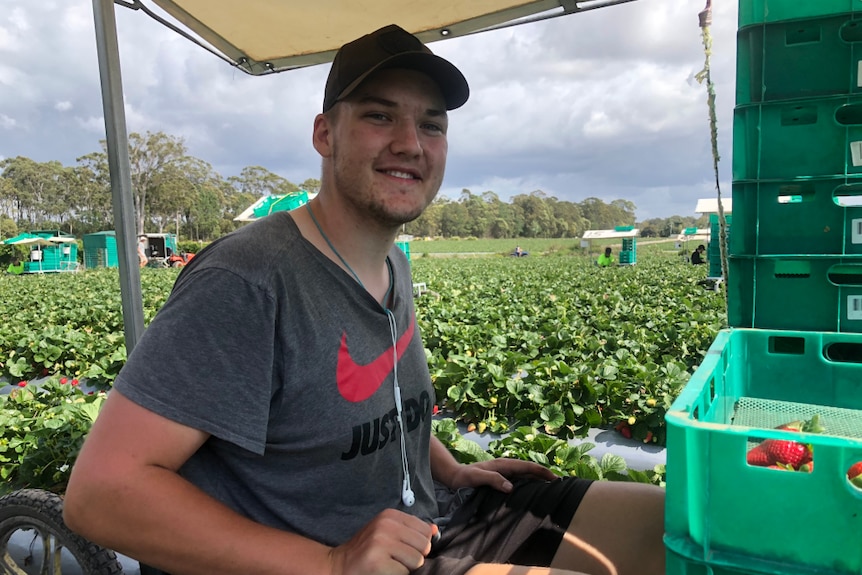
(538, 217)
(428, 224)
(569, 219)
(598, 213)
(259, 181)
(311, 185)
(478, 213)
(154, 160)
(454, 220)
(91, 195)
(37, 189)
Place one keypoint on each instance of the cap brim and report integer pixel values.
(453, 85)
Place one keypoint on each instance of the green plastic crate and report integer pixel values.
(799, 59)
(802, 216)
(676, 564)
(759, 11)
(723, 511)
(802, 138)
(405, 247)
(100, 250)
(798, 292)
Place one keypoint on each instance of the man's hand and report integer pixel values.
(497, 473)
(393, 543)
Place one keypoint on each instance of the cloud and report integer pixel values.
(600, 104)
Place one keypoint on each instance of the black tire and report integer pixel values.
(41, 512)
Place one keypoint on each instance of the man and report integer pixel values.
(295, 435)
(697, 255)
(142, 251)
(606, 259)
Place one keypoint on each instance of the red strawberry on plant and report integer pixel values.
(854, 474)
(624, 429)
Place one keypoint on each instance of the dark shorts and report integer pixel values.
(524, 527)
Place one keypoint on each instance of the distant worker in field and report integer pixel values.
(519, 252)
(142, 253)
(16, 267)
(606, 259)
(697, 255)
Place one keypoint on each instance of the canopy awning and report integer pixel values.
(27, 238)
(710, 205)
(264, 36)
(610, 234)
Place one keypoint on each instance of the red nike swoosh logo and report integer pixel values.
(359, 382)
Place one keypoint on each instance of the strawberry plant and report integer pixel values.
(547, 344)
(41, 431)
(531, 444)
(561, 348)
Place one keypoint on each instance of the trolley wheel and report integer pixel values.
(33, 518)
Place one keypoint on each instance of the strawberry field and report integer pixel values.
(538, 349)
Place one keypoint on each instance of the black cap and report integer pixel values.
(391, 47)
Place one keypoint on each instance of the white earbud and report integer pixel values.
(407, 496)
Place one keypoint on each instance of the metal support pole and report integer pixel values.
(120, 169)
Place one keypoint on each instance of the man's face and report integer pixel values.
(385, 146)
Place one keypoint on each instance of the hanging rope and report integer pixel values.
(705, 19)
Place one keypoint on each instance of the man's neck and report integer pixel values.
(358, 247)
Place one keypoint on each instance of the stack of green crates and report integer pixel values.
(794, 285)
(628, 253)
(405, 247)
(796, 255)
(713, 252)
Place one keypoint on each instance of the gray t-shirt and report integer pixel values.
(278, 354)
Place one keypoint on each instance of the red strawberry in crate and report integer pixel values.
(854, 474)
(790, 453)
(785, 452)
(759, 456)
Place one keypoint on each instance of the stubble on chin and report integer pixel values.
(389, 217)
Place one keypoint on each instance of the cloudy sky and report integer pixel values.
(599, 104)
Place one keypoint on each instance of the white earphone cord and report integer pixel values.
(407, 493)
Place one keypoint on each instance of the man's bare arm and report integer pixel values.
(125, 494)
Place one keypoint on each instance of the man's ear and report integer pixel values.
(322, 135)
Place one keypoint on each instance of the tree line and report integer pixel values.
(176, 192)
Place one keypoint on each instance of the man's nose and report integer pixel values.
(406, 139)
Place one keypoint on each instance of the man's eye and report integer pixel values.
(433, 128)
(377, 116)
